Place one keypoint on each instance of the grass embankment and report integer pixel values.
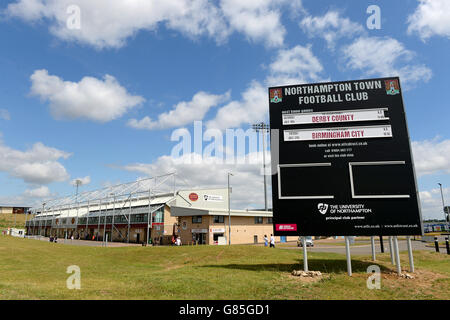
(7, 220)
(32, 269)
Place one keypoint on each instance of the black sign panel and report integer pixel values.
(342, 160)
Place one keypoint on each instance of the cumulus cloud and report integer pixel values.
(252, 107)
(109, 23)
(90, 98)
(431, 203)
(331, 27)
(385, 57)
(431, 156)
(430, 19)
(37, 165)
(291, 66)
(39, 192)
(183, 113)
(294, 66)
(259, 20)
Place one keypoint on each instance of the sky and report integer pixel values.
(102, 91)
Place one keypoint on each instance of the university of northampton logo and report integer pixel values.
(276, 95)
(392, 87)
(323, 208)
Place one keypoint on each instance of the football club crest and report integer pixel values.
(392, 87)
(276, 95)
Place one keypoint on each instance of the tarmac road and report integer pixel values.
(363, 249)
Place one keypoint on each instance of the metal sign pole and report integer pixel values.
(391, 251)
(372, 240)
(305, 255)
(347, 253)
(397, 256)
(381, 244)
(410, 254)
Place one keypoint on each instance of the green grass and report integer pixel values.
(7, 220)
(32, 269)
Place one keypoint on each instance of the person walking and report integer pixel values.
(272, 241)
(266, 241)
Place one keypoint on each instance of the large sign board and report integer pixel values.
(344, 164)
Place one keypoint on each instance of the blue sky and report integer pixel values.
(100, 102)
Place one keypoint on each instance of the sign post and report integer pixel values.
(410, 254)
(391, 251)
(305, 255)
(348, 256)
(342, 160)
(372, 241)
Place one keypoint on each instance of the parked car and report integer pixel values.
(309, 242)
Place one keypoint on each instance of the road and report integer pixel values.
(361, 248)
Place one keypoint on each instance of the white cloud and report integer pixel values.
(84, 181)
(195, 171)
(431, 156)
(183, 113)
(252, 108)
(385, 57)
(331, 27)
(4, 114)
(294, 66)
(109, 23)
(431, 203)
(91, 98)
(431, 18)
(39, 192)
(290, 66)
(260, 20)
(37, 165)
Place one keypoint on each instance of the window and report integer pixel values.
(258, 220)
(270, 220)
(197, 219)
(218, 219)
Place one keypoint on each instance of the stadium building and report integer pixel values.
(151, 210)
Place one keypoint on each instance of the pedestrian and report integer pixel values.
(266, 241)
(272, 241)
(56, 239)
(178, 241)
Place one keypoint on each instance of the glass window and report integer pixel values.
(218, 219)
(197, 219)
(258, 220)
(270, 220)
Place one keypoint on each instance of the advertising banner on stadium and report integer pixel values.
(344, 164)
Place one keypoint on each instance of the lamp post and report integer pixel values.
(40, 224)
(263, 128)
(443, 204)
(229, 211)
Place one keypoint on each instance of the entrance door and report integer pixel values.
(199, 238)
(255, 239)
(138, 238)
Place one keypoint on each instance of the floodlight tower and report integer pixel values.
(78, 183)
(263, 128)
